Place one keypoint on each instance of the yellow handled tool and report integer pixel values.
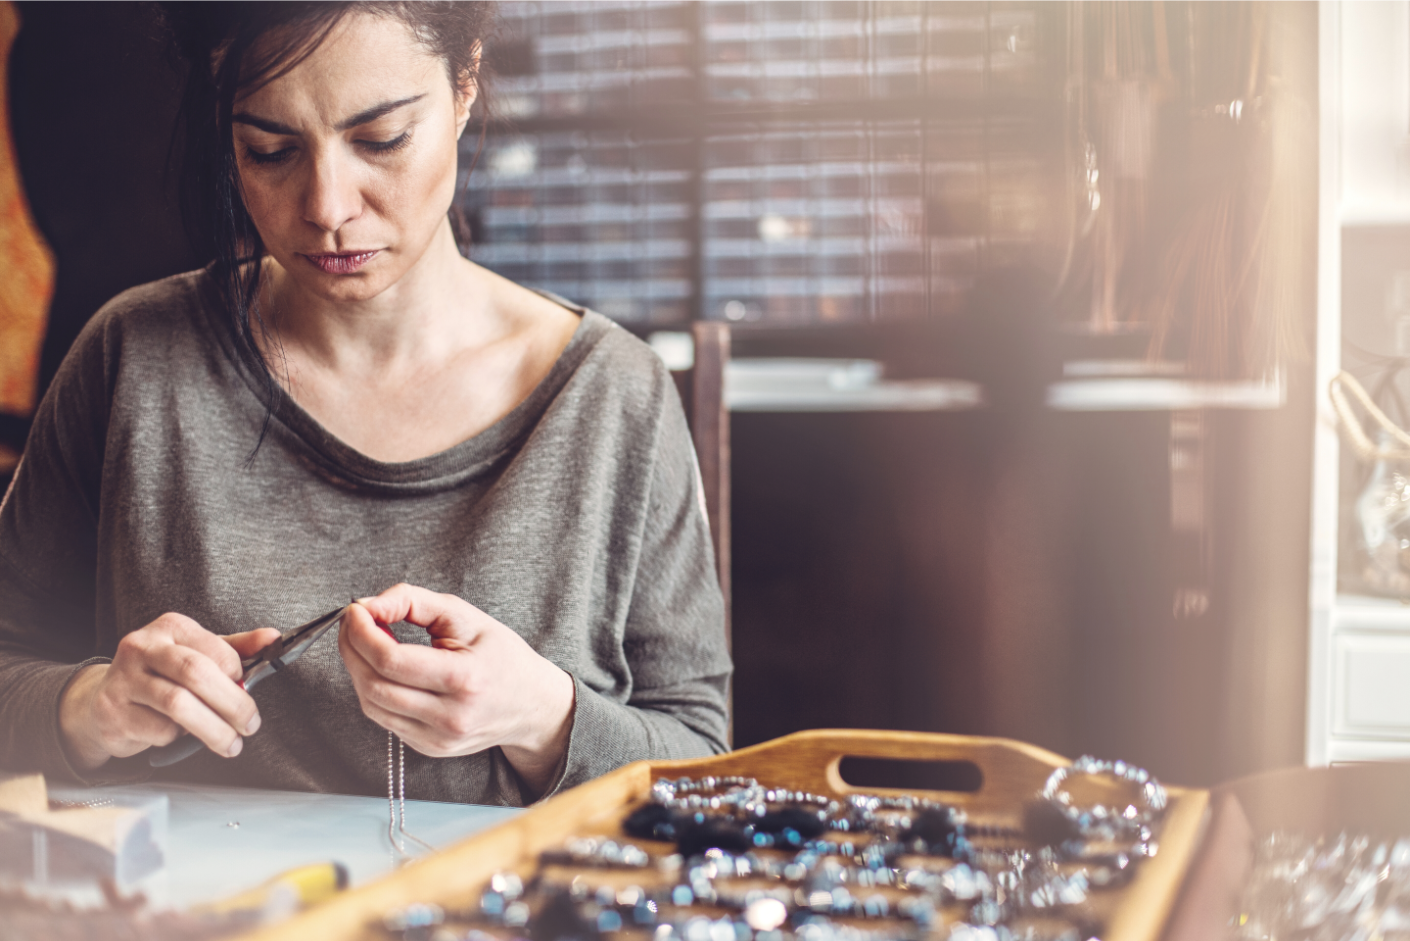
(285, 894)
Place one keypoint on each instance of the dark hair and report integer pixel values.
(232, 48)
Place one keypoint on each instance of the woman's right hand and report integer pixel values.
(168, 677)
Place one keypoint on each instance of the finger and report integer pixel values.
(364, 675)
(197, 674)
(188, 633)
(186, 710)
(356, 664)
(151, 727)
(358, 610)
(426, 668)
(129, 727)
(441, 615)
(420, 736)
(367, 651)
(358, 613)
(435, 734)
(407, 701)
(248, 643)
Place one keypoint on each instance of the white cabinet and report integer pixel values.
(1359, 662)
(1370, 676)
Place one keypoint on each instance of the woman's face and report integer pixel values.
(347, 164)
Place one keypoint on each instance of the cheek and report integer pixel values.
(263, 204)
(435, 181)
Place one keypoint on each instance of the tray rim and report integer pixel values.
(1141, 914)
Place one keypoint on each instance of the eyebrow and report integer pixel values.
(362, 117)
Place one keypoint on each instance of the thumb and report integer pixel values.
(409, 603)
(360, 616)
(249, 643)
(447, 618)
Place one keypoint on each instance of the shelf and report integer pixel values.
(1347, 750)
(1371, 216)
(844, 385)
(1148, 394)
(1372, 605)
(1365, 613)
(837, 385)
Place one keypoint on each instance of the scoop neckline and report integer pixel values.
(446, 467)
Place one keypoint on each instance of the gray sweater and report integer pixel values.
(576, 520)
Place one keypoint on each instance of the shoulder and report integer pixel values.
(150, 331)
(162, 318)
(138, 335)
(617, 399)
(621, 384)
(158, 305)
(631, 397)
(622, 364)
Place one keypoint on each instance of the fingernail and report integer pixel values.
(235, 747)
(253, 727)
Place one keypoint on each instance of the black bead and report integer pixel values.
(1043, 823)
(807, 823)
(935, 828)
(560, 920)
(651, 822)
(692, 839)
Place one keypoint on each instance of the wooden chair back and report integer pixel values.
(702, 390)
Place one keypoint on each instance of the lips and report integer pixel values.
(341, 262)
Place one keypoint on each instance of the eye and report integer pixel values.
(386, 146)
(277, 156)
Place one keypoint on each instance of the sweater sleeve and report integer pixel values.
(675, 636)
(48, 539)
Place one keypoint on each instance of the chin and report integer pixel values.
(357, 286)
(352, 287)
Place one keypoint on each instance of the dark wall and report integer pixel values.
(908, 571)
(91, 105)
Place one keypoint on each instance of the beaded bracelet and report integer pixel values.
(1152, 795)
(742, 798)
(605, 854)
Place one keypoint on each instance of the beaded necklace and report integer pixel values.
(396, 800)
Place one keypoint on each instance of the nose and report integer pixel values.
(332, 196)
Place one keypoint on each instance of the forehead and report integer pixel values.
(365, 59)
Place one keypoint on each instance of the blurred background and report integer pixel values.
(1024, 309)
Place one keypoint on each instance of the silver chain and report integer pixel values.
(391, 802)
(396, 798)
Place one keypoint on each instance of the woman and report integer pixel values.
(355, 408)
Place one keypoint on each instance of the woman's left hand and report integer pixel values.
(478, 685)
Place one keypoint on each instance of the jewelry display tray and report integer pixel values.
(1012, 774)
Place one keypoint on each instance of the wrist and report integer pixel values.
(538, 753)
(77, 735)
(550, 734)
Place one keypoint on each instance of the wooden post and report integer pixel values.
(710, 430)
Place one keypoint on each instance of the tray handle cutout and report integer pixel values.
(911, 774)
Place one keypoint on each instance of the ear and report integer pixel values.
(468, 91)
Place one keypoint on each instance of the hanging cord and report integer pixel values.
(396, 798)
(1366, 449)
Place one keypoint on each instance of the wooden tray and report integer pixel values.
(1013, 772)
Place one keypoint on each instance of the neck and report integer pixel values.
(433, 310)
